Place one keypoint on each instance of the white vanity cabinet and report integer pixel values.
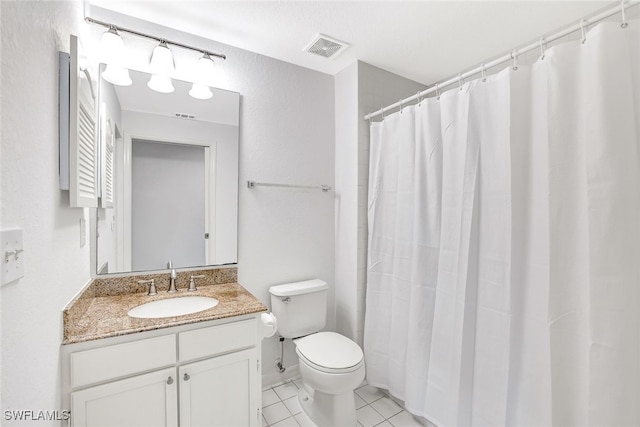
(143, 400)
(204, 374)
(217, 392)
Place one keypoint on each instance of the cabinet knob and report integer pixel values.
(169, 380)
(186, 377)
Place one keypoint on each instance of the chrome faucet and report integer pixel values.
(152, 286)
(192, 283)
(172, 278)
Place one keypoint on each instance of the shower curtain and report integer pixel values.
(504, 244)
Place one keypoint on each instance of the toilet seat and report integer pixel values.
(330, 352)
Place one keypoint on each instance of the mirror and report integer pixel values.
(168, 178)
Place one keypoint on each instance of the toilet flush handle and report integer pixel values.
(286, 299)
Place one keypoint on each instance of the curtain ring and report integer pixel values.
(401, 106)
(419, 98)
(583, 30)
(543, 48)
(437, 92)
(460, 81)
(483, 72)
(624, 24)
(514, 56)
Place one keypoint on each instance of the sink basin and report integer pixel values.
(171, 307)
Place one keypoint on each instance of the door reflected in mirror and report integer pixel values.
(168, 178)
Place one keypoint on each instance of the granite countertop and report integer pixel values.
(98, 313)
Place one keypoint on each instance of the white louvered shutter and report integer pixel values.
(83, 173)
(106, 198)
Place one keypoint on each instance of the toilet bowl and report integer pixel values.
(331, 366)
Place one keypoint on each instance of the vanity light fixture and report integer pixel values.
(162, 66)
(112, 47)
(204, 69)
(162, 62)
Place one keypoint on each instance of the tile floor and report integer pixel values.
(280, 408)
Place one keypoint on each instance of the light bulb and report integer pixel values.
(116, 75)
(162, 60)
(200, 91)
(160, 84)
(111, 46)
(204, 69)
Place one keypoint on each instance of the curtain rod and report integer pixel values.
(158, 39)
(514, 54)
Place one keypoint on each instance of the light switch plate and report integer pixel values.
(12, 255)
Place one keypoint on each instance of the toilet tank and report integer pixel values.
(300, 307)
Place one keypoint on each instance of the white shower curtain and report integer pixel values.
(504, 244)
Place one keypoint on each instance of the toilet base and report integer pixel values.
(328, 410)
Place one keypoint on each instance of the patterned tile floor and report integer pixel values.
(280, 408)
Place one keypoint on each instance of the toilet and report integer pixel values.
(331, 365)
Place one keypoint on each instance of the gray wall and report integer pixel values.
(361, 88)
(377, 88)
(168, 205)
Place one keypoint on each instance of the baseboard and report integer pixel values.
(274, 379)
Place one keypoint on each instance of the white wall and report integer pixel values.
(56, 267)
(287, 136)
(346, 208)
(1, 144)
(360, 89)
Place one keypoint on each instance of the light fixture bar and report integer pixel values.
(158, 39)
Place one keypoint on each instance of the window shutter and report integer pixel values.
(106, 200)
(83, 189)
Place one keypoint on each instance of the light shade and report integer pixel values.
(116, 75)
(111, 46)
(204, 69)
(162, 60)
(160, 84)
(200, 91)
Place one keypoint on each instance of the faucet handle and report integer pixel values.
(152, 287)
(192, 282)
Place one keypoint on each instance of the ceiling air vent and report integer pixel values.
(326, 46)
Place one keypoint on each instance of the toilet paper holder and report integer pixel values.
(269, 325)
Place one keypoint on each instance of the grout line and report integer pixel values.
(359, 424)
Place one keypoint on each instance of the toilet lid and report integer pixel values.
(329, 350)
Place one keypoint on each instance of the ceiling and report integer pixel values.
(425, 41)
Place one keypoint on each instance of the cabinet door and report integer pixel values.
(145, 400)
(220, 392)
